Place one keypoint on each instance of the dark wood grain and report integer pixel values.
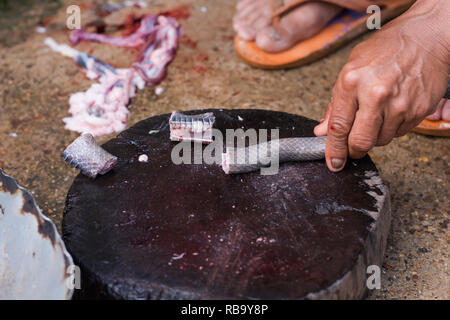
(162, 231)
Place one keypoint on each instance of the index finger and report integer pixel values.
(343, 110)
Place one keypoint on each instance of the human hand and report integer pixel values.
(390, 83)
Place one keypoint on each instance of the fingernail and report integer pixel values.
(337, 163)
(321, 120)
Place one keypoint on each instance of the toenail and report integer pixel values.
(274, 35)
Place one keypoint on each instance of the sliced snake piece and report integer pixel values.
(87, 156)
(197, 128)
(155, 58)
(143, 35)
(254, 157)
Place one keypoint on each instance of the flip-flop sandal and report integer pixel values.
(342, 29)
(438, 128)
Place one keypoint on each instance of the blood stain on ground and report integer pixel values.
(202, 57)
(178, 13)
(186, 40)
(200, 69)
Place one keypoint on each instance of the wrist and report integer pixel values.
(431, 20)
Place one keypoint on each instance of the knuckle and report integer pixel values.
(339, 126)
(382, 141)
(349, 66)
(379, 92)
(361, 143)
(350, 77)
(400, 109)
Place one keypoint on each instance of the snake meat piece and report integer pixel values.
(138, 38)
(191, 127)
(254, 157)
(86, 155)
(103, 108)
(156, 57)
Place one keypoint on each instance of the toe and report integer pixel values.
(252, 15)
(245, 32)
(437, 115)
(273, 39)
(300, 24)
(446, 111)
(261, 23)
(247, 10)
(242, 4)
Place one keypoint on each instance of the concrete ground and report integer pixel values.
(35, 85)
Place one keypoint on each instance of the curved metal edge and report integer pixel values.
(46, 226)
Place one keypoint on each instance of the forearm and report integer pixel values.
(429, 23)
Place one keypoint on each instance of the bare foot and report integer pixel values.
(253, 21)
(442, 112)
(251, 16)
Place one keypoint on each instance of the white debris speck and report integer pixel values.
(130, 3)
(203, 9)
(41, 29)
(64, 49)
(178, 256)
(143, 158)
(159, 90)
(240, 118)
(13, 134)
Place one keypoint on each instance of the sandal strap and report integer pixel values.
(276, 15)
(286, 8)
